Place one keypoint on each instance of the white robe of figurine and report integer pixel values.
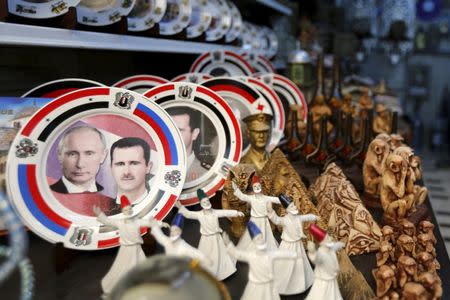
(259, 216)
(211, 242)
(325, 285)
(293, 277)
(261, 284)
(178, 247)
(130, 252)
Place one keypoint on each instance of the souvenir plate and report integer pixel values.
(243, 98)
(259, 63)
(221, 20)
(145, 14)
(40, 9)
(201, 18)
(192, 77)
(250, 39)
(276, 108)
(222, 63)
(103, 12)
(236, 23)
(66, 144)
(272, 40)
(287, 91)
(140, 83)
(56, 88)
(177, 17)
(210, 131)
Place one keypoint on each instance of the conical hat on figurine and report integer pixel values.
(178, 221)
(285, 200)
(317, 233)
(201, 194)
(255, 179)
(124, 202)
(253, 229)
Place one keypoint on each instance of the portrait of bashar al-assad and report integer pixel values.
(188, 122)
(81, 152)
(130, 168)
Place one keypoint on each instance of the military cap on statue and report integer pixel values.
(258, 122)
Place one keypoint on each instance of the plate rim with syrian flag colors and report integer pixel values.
(259, 63)
(286, 89)
(45, 10)
(243, 98)
(230, 62)
(59, 87)
(142, 82)
(116, 113)
(192, 77)
(229, 137)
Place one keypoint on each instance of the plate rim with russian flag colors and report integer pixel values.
(153, 15)
(45, 10)
(234, 90)
(59, 87)
(230, 62)
(192, 77)
(259, 63)
(288, 89)
(33, 153)
(142, 82)
(216, 109)
(181, 21)
(276, 107)
(108, 16)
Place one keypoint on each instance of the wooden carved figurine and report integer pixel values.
(382, 120)
(211, 243)
(426, 262)
(396, 141)
(405, 246)
(319, 110)
(258, 131)
(385, 280)
(427, 227)
(414, 291)
(407, 270)
(373, 164)
(433, 284)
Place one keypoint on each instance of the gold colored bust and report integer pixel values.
(258, 130)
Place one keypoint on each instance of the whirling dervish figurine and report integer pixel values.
(130, 252)
(258, 214)
(292, 277)
(325, 286)
(260, 260)
(211, 242)
(175, 245)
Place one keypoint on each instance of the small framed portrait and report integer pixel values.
(211, 135)
(86, 149)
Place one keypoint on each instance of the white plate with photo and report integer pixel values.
(222, 63)
(192, 77)
(40, 9)
(221, 20)
(200, 19)
(271, 38)
(243, 98)
(276, 107)
(177, 17)
(140, 83)
(145, 14)
(88, 148)
(259, 63)
(210, 131)
(236, 23)
(103, 12)
(287, 91)
(56, 88)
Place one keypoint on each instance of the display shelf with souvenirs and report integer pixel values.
(225, 182)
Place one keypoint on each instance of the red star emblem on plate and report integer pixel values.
(260, 107)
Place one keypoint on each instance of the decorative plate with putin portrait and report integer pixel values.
(86, 149)
(211, 134)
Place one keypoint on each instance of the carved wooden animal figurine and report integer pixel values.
(407, 270)
(433, 284)
(385, 280)
(414, 291)
(405, 246)
(375, 159)
(382, 120)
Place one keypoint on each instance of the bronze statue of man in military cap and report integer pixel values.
(258, 130)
